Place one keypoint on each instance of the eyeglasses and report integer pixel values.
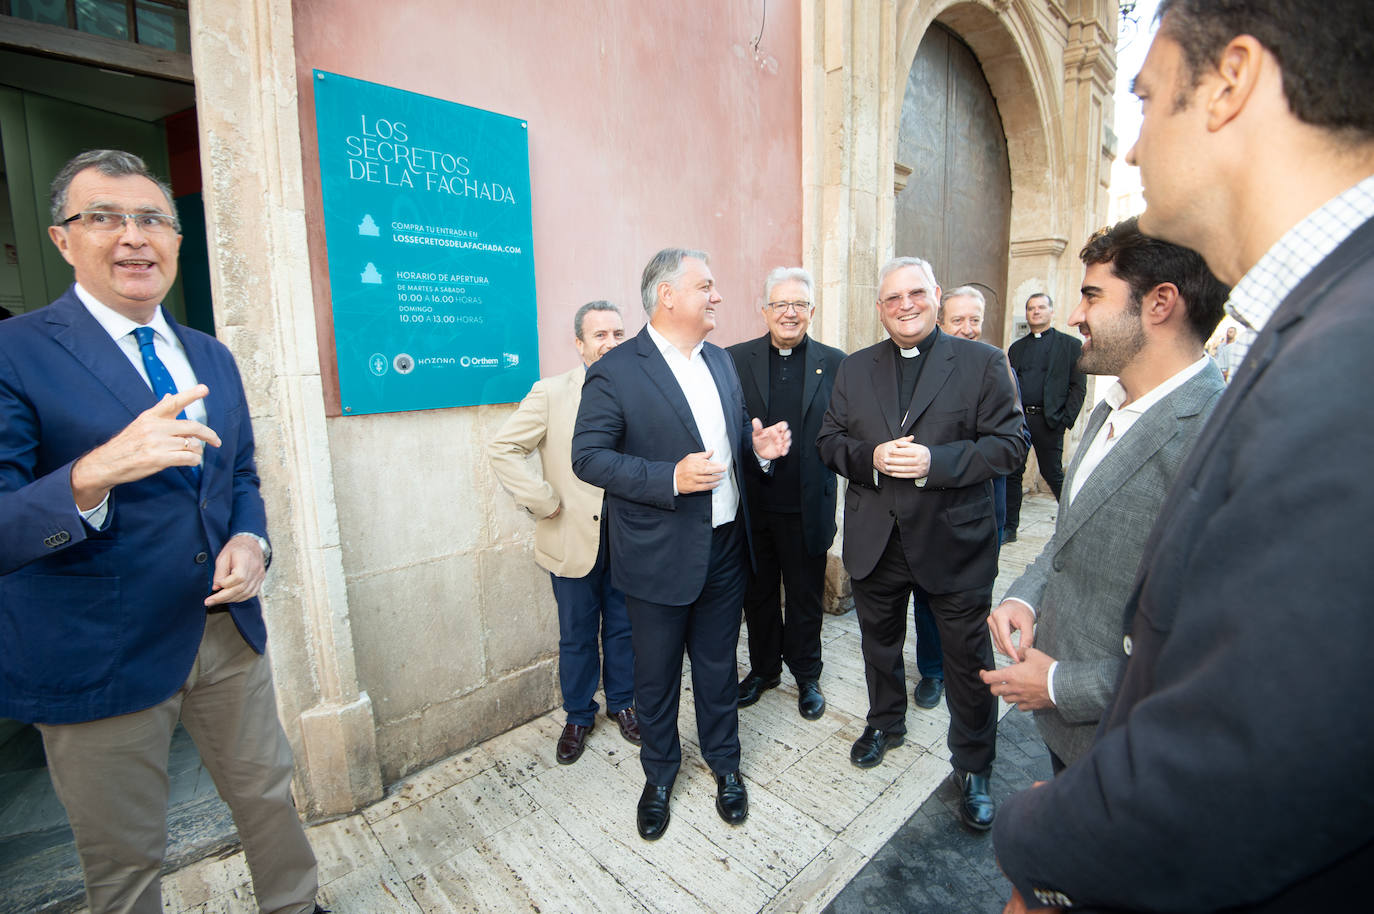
(780, 307)
(99, 220)
(896, 298)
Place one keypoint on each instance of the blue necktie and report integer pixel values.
(159, 376)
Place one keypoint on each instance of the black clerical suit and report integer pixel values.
(1052, 390)
(792, 512)
(940, 536)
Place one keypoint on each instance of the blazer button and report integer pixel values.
(1126, 645)
(891, 512)
(201, 558)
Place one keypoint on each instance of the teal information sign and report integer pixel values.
(431, 262)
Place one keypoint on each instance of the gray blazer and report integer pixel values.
(1082, 579)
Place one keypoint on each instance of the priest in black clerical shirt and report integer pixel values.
(1052, 390)
(920, 425)
(786, 376)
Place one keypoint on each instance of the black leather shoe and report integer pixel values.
(572, 742)
(732, 800)
(869, 749)
(320, 910)
(810, 701)
(652, 816)
(928, 692)
(629, 725)
(752, 687)
(1009, 536)
(976, 808)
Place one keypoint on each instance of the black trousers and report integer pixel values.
(1049, 453)
(708, 628)
(780, 556)
(881, 600)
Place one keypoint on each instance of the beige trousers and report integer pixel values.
(111, 775)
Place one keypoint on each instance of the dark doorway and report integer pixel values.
(955, 207)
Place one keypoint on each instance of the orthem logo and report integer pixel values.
(479, 361)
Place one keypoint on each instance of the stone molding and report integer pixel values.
(249, 125)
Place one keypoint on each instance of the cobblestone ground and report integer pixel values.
(933, 864)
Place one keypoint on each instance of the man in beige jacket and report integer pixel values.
(570, 539)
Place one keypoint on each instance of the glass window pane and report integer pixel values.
(103, 17)
(53, 12)
(163, 27)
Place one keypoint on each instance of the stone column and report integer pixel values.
(244, 61)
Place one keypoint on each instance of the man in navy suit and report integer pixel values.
(131, 554)
(662, 428)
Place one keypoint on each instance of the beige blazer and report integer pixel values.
(567, 544)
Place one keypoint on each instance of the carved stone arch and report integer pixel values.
(1020, 70)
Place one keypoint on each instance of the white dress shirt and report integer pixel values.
(703, 398)
(168, 349)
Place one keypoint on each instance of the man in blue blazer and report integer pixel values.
(132, 548)
(662, 428)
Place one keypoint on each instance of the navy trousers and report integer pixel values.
(593, 624)
(708, 628)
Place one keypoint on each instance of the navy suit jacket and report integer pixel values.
(99, 623)
(633, 426)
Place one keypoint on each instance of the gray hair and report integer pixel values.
(961, 292)
(598, 305)
(112, 163)
(666, 266)
(898, 263)
(780, 275)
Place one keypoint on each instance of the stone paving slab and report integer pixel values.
(500, 827)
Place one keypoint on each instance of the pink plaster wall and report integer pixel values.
(652, 124)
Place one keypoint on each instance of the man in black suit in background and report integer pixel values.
(663, 429)
(1052, 390)
(919, 425)
(787, 376)
(1232, 771)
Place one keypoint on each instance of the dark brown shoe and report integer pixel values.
(572, 742)
(628, 723)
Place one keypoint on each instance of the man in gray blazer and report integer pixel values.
(1146, 310)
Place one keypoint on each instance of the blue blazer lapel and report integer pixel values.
(722, 369)
(199, 352)
(662, 376)
(80, 334)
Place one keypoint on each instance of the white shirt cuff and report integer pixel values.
(1025, 604)
(95, 517)
(1049, 682)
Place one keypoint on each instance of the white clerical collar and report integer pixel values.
(784, 352)
(909, 353)
(1040, 334)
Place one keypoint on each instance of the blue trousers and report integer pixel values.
(591, 610)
